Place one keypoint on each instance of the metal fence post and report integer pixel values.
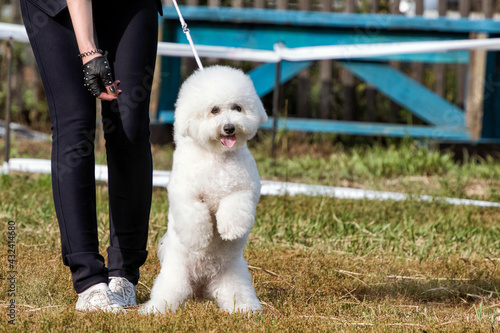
(8, 104)
(276, 101)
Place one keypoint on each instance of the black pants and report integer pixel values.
(128, 30)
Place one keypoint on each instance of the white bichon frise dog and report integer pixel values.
(213, 192)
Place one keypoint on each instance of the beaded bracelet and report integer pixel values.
(88, 53)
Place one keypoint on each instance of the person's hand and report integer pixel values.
(98, 78)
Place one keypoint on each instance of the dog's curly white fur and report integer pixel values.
(213, 192)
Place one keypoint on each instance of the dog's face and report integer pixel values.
(218, 108)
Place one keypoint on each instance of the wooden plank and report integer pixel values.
(395, 108)
(475, 95)
(337, 20)
(304, 79)
(419, 7)
(488, 8)
(170, 71)
(259, 4)
(349, 6)
(369, 129)
(282, 4)
(418, 67)
(305, 5)
(417, 74)
(416, 98)
(491, 104)
(349, 93)
(442, 7)
(348, 83)
(326, 93)
(325, 77)
(211, 3)
(455, 57)
(370, 91)
(189, 65)
(464, 8)
(440, 69)
(237, 3)
(394, 7)
(354, 128)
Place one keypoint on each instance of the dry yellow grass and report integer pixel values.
(318, 264)
(302, 290)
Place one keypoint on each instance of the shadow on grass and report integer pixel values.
(450, 292)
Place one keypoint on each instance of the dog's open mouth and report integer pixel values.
(228, 141)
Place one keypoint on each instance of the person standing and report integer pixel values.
(80, 47)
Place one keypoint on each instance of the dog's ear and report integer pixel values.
(182, 129)
(262, 113)
(181, 123)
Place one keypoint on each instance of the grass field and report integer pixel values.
(318, 264)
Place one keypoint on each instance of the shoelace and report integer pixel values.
(123, 291)
(107, 298)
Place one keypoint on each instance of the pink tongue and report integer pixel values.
(228, 141)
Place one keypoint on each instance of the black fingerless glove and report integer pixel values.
(97, 75)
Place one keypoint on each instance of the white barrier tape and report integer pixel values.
(22, 131)
(221, 52)
(384, 49)
(348, 51)
(272, 188)
(34, 165)
(18, 33)
(281, 188)
(15, 31)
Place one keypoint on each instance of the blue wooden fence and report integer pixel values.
(262, 28)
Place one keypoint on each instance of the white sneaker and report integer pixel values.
(123, 290)
(98, 297)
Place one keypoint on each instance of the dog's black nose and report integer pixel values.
(229, 128)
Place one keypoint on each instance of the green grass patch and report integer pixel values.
(318, 264)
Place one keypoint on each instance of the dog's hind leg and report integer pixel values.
(233, 290)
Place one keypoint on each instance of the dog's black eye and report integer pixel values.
(215, 110)
(236, 107)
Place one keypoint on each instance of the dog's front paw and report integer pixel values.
(233, 226)
(235, 215)
(150, 308)
(231, 232)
